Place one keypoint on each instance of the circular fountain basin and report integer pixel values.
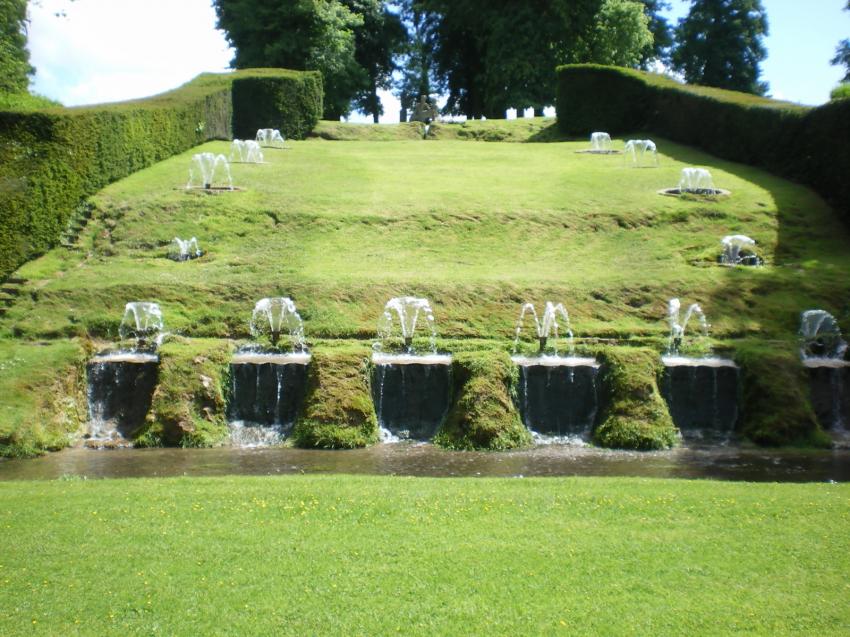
(688, 361)
(555, 361)
(411, 359)
(259, 358)
(591, 151)
(702, 192)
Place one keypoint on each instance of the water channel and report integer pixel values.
(422, 459)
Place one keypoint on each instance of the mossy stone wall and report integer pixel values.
(338, 412)
(189, 403)
(483, 414)
(633, 413)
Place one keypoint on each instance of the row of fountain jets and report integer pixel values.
(274, 318)
(210, 171)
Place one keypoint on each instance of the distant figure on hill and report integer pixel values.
(425, 111)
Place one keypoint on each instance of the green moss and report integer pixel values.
(189, 408)
(483, 414)
(338, 412)
(634, 415)
(777, 409)
(43, 403)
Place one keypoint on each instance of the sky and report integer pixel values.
(109, 50)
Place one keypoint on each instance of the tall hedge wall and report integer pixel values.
(809, 145)
(276, 101)
(51, 159)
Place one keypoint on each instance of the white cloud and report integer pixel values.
(106, 50)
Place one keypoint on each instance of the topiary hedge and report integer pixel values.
(290, 101)
(51, 159)
(804, 144)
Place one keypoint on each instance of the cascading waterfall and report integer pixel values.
(410, 390)
(121, 383)
(557, 394)
(268, 386)
(701, 392)
(823, 350)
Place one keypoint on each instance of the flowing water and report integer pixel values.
(411, 459)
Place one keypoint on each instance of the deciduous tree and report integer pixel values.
(15, 68)
(719, 43)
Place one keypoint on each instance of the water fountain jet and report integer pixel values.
(270, 137)
(209, 171)
(637, 150)
(185, 249)
(246, 151)
(410, 391)
(738, 250)
(271, 316)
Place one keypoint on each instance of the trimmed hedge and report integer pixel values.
(290, 101)
(808, 145)
(51, 159)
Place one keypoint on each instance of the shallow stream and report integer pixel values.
(411, 459)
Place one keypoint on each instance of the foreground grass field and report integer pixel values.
(374, 556)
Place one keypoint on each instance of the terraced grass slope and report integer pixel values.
(478, 228)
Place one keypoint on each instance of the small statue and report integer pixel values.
(425, 111)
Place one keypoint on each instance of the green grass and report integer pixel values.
(476, 227)
(41, 395)
(376, 556)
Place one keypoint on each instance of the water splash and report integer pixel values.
(547, 327)
(272, 316)
(185, 249)
(820, 336)
(250, 435)
(401, 314)
(246, 151)
(678, 325)
(737, 250)
(208, 170)
(143, 322)
(270, 137)
(600, 142)
(696, 181)
(637, 150)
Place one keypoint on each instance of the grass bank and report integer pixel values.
(358, 555)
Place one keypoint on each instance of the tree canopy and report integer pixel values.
(719, 43)
(842, 54)
(15, 69)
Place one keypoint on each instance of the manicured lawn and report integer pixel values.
(344, 555)
(477, 227)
